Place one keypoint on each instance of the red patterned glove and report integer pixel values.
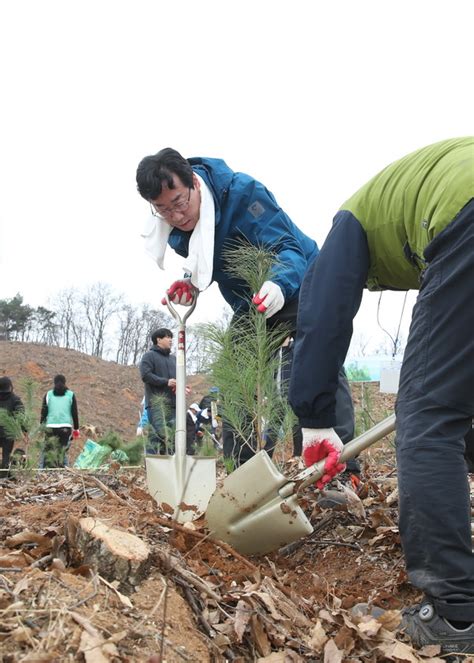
(76, 434)
(181, 292)
(319, 443)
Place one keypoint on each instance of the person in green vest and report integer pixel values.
(409, 227)
(59, 414)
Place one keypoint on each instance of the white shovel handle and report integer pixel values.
(180, 437)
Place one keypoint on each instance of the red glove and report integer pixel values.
(76, 434)
(319, 443)
(181, 292)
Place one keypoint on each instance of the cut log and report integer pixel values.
(113, 553)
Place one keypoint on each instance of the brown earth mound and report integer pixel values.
(108, 394)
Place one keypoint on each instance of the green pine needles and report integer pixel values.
(245, 355)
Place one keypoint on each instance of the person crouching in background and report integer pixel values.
(10, 404)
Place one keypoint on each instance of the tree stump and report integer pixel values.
(113, 553)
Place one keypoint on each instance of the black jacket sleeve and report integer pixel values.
(17, 404)
(44, 410)
(74, 412)
(329, 300)
(17, 408)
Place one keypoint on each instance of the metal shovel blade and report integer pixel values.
(182, 485)
(249, 513)
(256, 508)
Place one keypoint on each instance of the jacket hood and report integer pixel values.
(162, 351)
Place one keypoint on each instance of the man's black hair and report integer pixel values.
(162, 332)
(156, 171)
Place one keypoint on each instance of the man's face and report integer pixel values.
(179, 207)
(164, 343)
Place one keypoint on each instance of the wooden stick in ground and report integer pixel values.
(173, 565)
(97, 482)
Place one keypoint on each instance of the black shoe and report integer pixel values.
(425, 627)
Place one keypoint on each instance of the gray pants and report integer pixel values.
(434, 409)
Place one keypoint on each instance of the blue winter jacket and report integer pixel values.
(245, 209)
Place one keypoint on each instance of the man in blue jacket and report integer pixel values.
(199, 206)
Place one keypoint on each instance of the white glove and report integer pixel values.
(269, 299)
(319, 443)
(139, 432)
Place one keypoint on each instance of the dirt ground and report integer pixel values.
(199, 599)
(108, 394)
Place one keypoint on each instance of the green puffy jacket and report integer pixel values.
(407, 204)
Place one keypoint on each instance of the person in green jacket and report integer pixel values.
(409, 227)
(60, 416)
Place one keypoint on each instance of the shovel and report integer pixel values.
(256, 509)
(182, 484)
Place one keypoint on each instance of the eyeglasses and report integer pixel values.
(165, 212)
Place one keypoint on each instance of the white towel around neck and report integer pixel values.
(201, 243)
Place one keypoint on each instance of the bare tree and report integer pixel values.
(99, 305)
(359, 345)
(65, 305)
(135, 328)
(199, 348)
(126, 334)
(393, 345)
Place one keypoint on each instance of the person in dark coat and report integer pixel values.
(158, 372)
(192, 428)
(12, 404)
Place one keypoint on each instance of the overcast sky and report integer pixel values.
(311, 98)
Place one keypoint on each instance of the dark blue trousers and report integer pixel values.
(435, 406)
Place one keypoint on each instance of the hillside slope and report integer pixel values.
(108, 394)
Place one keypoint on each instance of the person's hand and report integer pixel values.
(181, 292)
(172, 385)
(319, 444)
(76, 434)
(269, 299)
(139, 432)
